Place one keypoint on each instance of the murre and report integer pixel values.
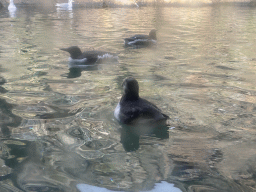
(139, 115)
(142, 40)
(81, 60)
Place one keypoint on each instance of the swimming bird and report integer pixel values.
(80, 60)
(142, 40)
(139, 115)
(65, 6)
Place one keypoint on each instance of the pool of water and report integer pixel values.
(58, 131)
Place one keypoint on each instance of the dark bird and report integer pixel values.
(80, 60)
(142, 40)
(138, 114)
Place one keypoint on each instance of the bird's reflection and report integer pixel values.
(74, 73)
(77, 72)
(130, 137)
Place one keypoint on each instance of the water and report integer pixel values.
(58, 128)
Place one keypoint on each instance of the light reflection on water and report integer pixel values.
(58, 130)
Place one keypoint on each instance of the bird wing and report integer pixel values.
(141, 111)
(136, 37)
(151, 110)
(140, 37)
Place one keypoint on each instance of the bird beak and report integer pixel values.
(63, 49)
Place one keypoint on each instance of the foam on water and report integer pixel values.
(159, 187)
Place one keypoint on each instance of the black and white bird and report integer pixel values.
(79, 59)
(142, 40)
(138, 114)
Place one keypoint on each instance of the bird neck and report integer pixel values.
(130, 96)
(152, 36)
(76, 54)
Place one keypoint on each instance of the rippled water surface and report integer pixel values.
(58, 128)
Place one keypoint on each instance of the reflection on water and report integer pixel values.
(74, 72)
(57, 125)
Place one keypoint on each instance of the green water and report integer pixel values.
(58, 131)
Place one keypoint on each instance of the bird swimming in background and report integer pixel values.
(12, 8)
(142, 40)
(139, 115)
(65, 6)
(78, 59)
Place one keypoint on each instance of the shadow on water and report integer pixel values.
(8, 119)
(2, 81)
